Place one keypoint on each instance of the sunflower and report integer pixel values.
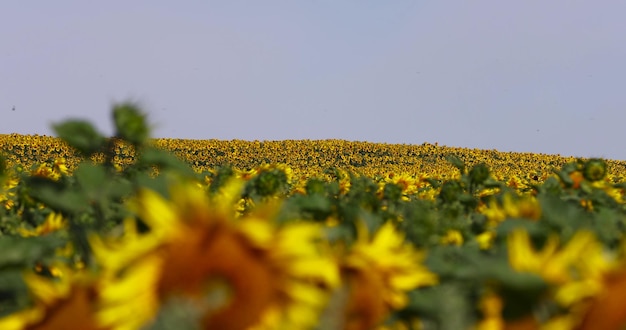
(405, 181)
(238, 272)
(524, 206)
(52, 171)
(129, 301)
(491, 307)
(606, 310)
(587, 282)
(65, 301)
(379, 270)
(7, 192)
(53, 222)
(60, 166)
(575, 268)
(452, 237)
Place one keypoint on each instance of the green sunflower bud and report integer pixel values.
(315, 186)
(594, 169)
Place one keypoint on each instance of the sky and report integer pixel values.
(527, 76)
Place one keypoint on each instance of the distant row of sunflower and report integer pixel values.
(123, 234)
(309, 157)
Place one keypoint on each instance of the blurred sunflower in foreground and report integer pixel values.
(235, 272)
(65, 300)
(7, 192)
(588, 284)
(379, 270)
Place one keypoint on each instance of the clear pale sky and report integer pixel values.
(533, 75)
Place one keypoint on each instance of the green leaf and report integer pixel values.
(3, 166)
(130, 123)
(447, 304)
(503, 274)
(25, 251)
(92, 178)
(68, 201)
(318, 206)
(80, 135)
(12, 279)
(491, 183)
(164, 161)
(14, 295)
(54, 195)
(159, 184)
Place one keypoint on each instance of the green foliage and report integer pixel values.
(80, 135)
(3, 167)
(266, 184)
(130, 123)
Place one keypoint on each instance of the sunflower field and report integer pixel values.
(134, 232)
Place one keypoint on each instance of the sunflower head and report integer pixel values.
(238, 271)
(67, 300)
(379, 271)
(594, 169)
